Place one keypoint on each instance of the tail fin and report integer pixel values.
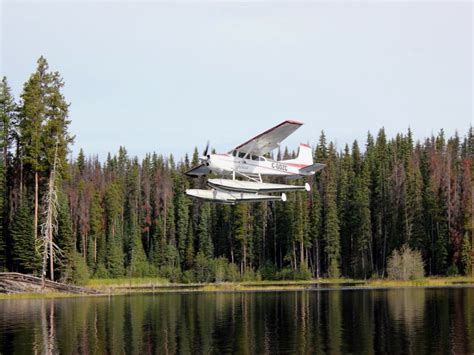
(304, 158)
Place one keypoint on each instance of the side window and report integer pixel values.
(241, 154)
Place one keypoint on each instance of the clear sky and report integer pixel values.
(166, 76)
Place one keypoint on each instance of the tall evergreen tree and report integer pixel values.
(24, 252)
(64, 240)
(204, 233)
(331, 222)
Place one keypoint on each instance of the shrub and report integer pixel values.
(284, 274)
(405, 264)
(251, 275)
(232, 273)
(172, 273)
(101, 272)
(188, 277)
(302, 273)
(80, 272)
(268, 271)
(219, 267)
(202, 268)
(452, 270)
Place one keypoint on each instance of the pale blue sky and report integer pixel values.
(165, 76)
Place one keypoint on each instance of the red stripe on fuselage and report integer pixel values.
(296, 165)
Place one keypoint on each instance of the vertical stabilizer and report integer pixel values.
(304, 158)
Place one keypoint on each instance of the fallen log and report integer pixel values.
(15, 282)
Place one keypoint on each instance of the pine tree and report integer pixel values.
(315, 230)
(259, 233)
(7, 119)
(361, 263)
(3, 188)
(64, 241)
(114, 256)
(189, 254)
(24, 253)
(138, 262)
(81, 161)
(331, 222)
(380, 200)
(32, 116)
(97, 240)
(241, 233)
(416, 230)
(8, 111)
(204, 233)
(344, 206)
(42, 127)
(182, 223)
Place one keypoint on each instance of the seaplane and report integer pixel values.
(242, 169)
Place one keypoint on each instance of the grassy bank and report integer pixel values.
(162, 285)
(153, 284)
(37, 295)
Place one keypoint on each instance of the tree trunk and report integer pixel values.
(51, 255)
(302, 258)
(35, 221)
(95, 249)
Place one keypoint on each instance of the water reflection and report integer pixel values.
(335, 321)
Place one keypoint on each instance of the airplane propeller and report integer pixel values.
(206, 149)
(205, 157)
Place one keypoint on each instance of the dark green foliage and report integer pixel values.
(25, 254)
(7, 119)
(79, 270)
(331, 220)
(64, 240)
(126, 217)
(114, 258)
(204, 233)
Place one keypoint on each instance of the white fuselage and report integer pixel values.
(227, 164)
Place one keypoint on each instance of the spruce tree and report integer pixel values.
(344, 197)
(182, 223)
(204, 233)
(97, 240)
(315, 230)
(25, 255)
(331, 222)
(64, 240)
(114, 256)
(241, 233)
(138, 263)
(361, 260)
(32, 116)
(7, 119)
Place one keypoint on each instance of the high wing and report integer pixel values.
(270, 139)
(199, 170)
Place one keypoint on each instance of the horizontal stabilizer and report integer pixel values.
(199, 170)
(311, 169)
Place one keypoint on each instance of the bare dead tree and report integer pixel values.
(50, 225)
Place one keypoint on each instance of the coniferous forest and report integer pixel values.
(130, 217)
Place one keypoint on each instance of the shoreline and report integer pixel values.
(133, 286)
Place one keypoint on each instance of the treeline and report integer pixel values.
(126, 217)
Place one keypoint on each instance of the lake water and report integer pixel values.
(420, 320)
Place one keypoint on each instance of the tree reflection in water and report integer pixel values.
(358, 321)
